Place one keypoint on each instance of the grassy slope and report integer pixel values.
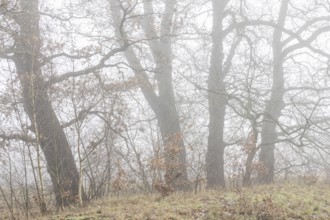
(263, 202)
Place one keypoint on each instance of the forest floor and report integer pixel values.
(289, 201)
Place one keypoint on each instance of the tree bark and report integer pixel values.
(163, 104)
(274, 105)
(52, 139)
(217, 101)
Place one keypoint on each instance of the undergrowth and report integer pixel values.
(260, 203)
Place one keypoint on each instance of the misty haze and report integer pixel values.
(164, 109)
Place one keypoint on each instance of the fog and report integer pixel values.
(103, 96)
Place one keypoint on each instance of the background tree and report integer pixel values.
(44, 122)
(275, 104)
(163, 104)
(282, 51)
(217, 101)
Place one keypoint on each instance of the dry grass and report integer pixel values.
(261, 203)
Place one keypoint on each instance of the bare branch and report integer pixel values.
(18, 137)
(98, 66)
(307, 43)
(85, 56)
(301, 42)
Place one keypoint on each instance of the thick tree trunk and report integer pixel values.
(163, 104)
(175, 154)
(274, 105)
(268, 133)
(215, 149)
(60, 162)
(164, 108)
(166, 112)
(217, 103)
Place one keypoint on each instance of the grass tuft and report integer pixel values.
(259, 203)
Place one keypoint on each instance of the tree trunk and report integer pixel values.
(175, 154)
(163, 104)
(217, 103)
(164, 108)
(60, 162)
(215, 149)
(250, 147)
(274, 105)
